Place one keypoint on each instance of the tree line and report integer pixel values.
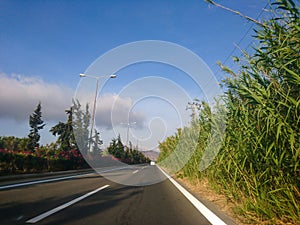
(19, 155)
(128, 155)
(258, 165)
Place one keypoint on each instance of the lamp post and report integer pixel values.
(128, 125)
(95, 100)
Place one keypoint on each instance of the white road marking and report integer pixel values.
(209, 215)
(58, 179)
(61, 207)
(109, 170)
(43, 181)
(135, 171)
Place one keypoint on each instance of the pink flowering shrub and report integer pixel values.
(41, 160)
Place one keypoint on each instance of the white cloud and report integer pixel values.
(20, 94)
(113, 110)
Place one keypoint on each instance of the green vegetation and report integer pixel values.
(36, 123)
(125, 154)
(257, 166)
(74, 133)
(24, 155)
(15, 158)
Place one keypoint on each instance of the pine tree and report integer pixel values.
(116, 148)
(66, 138)
(81, 122)
(36, 123)
(74, 134)
(96, 142)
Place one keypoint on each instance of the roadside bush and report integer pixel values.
(258, 166)
(26, 162)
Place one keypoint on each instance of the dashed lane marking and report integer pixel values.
(61, 207)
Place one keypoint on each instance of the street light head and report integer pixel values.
(97, 77)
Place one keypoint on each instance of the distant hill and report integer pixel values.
(151, 154)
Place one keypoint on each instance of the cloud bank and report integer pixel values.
(19, 96)
(113, 110)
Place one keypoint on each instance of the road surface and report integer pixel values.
(92, 199)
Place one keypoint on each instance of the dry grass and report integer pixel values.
(203, 190)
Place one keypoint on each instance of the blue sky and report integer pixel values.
(44, 45)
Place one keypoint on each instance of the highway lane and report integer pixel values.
(115, 204)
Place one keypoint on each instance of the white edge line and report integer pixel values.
(43, 181)
(135, 171)
(209, 215)
(61, 207)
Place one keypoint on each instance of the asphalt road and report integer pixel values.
(92, 199)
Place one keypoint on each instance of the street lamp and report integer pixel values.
(97, 77)
(95, 100)
(128, 125)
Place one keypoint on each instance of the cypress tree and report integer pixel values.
(36, 123)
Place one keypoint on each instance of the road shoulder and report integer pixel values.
(216, 202)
